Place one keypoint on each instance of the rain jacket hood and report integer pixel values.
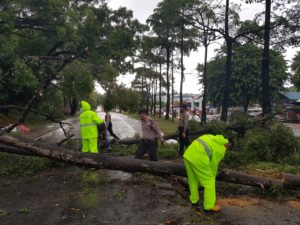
(220, 139)
(85, 106)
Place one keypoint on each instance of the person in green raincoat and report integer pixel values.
(89, 121)
(201, 160)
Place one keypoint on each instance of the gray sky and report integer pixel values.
(142, 9)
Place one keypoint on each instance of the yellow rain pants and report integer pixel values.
(202, 170)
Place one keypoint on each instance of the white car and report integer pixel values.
(254, 111)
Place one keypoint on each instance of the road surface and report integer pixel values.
(123, 126)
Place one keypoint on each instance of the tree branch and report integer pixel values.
(41, 89)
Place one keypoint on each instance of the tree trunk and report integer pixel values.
(266, 99)
(142, 91)
(168, 85)
(73, 106)
(228, 41)
(101, 161)
(204, 99)
(181, 66)
(172, 79)
(154, 101)
(246, 104)
(160, 84)
(148, 93)
(225, 103)
(65, 101)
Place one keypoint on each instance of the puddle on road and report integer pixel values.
(118, 175)
(93, 182)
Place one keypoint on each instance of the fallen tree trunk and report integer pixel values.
(202, 131)
(21, 146)
(291, 181)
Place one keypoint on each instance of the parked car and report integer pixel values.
(257, 111)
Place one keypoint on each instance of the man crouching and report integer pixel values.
(201, 160)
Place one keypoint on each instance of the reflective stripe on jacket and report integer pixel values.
(197, 155)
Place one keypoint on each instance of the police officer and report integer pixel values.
(89, 120)
(201, 160)
(183, 130)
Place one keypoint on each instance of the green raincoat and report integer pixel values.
(203, 170)
(89, 120)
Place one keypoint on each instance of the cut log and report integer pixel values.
(101, 161)
(291, 181)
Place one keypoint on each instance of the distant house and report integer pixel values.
(289, 97)
(192, 100)
(290, 102)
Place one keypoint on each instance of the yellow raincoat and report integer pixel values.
(203, 170)
(88, 128)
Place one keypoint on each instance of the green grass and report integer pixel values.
(164, 152)
(167, 126)
(269, 168)
(16, 165)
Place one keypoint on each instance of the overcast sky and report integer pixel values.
(142, 9)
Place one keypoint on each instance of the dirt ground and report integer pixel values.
(76, 196)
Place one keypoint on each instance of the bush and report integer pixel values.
(241, 122)
(274, 143)
(194, 125)
(217, 127)
(168, 151)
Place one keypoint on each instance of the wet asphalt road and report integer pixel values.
(123, 126)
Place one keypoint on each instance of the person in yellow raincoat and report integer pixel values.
(201, 160)
(89, 121)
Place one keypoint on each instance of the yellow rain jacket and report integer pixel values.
(88, 128)
(201, 169)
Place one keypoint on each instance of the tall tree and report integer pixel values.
(227, 24)
(161, 24)
(296, 71)
(202, 15)
(246, 76)
(266, 98)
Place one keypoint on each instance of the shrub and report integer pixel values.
(241, 122)
(274, 143)
(194, 125)
(168, 151)
(217, 127)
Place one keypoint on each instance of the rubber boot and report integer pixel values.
(217, 208)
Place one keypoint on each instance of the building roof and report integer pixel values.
(294, 96)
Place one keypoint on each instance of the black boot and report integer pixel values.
(197, 206)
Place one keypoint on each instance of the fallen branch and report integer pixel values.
(20, 146)
(47, 116)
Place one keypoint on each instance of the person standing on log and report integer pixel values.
(109, 125)
(201, 160)
(151, 133)
(183, 130)
(89, 121)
